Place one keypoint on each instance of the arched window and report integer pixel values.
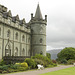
(41, 52)
(16, 51)
(29, 52)
(28, 39)
(41, 40)
(0, 31)
(16, 36)
(23, 52)
(23, 38)
(8, 33)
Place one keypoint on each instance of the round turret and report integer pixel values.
(38, 31)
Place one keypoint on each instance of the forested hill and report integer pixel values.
(54, 53)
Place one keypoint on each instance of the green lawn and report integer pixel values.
(68, 71)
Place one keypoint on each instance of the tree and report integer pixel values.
(67, 53)
(48, 55)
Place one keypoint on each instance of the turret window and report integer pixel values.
(41, 52)
(41, 40)
(8, 33)
(23, 38)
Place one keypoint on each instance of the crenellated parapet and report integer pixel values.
(7, 19)
(41, 21)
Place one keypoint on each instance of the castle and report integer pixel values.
(18, 38)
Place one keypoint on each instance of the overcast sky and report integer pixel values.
(61, 18)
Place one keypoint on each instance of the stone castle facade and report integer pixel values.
(18, 38)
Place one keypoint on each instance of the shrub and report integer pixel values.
(31, 63)
(22, 69)
(63, 61)
(4, 72)
(4, 67)
(48, 55)
(16, 66)
(38, 61)
(54, 61)
(41, 57)
(2, 62)
(71, 61)
(1, 71)
(54, 64)
(24, 64)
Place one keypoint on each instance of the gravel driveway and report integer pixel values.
(37, 72)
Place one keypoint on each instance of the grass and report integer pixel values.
(67, 71)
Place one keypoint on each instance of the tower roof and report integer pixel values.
(38, 14)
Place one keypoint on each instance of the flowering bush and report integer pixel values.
(31, 63)
(24, 64)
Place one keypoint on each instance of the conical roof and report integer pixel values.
(38, 14)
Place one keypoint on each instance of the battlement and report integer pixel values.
(13, 21)
(3, 8)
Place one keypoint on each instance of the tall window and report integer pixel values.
(41, 40)
(28, 39)
(29, 52)
(41, 52)
(23, 38)
(0, 31)
(23, 52)
(16, 36)
(8, 33)
(16, 51)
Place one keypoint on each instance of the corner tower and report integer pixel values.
(38, 33)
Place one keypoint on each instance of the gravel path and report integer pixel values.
(37, 72)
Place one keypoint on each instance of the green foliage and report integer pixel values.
(67, 53)
(1, 71)
(71, 61)
(2, 62)
(54, 61)
(41, 57)
(22, 69)
(16, 66)
(63, 61)
(24, 64)
(31, 63)
(38, 61)
(44, 59)
(4, 67)
(48, 55)
(4, 72)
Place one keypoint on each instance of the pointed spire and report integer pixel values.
(38, 14)
(9, 13)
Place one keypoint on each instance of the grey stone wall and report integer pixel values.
(38, 37)
(22, 44)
